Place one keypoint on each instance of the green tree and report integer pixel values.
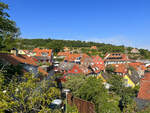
(72, 109)
(74, 83)
(93, 90)
(7, 27)
(110, 68)
(127, 94)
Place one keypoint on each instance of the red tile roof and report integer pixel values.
(40, 51)
(73, 57)
(98, 62)
(137, 65)
(144, 92)
(15, 60)
(120, 68)
(116, 56)
(63, 53)
(75, 69)
(93, 47)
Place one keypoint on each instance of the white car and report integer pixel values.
(56, 104)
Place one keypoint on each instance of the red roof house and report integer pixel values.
(75, 70)
(16, 59)
(144, 92)
(43, 55)
(99, 62)
(120, 68)
(63, 54)
(93, 47)
(116, 58)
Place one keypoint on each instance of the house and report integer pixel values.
(23, 52)
(65, 67)
(75, 58)
(28, 63)
(148, 68)
(104, 77)
(63, 54)
(116, 58)
(43, 55)
(86, 61)
(99, 62)
(131, 79)
(120, 69)
(66, 49)
(75, 69)
(72, 68)
(94, 47)
(144, 92)
(139, 67)
(135, 51)
(95, 69)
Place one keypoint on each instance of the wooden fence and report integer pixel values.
(82, 105)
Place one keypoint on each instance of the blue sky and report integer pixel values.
(120, 22)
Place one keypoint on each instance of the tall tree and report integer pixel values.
(7, 26)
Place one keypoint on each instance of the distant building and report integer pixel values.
(134, 50)
(93, 47)
(116, 58)
(43, 55)
(63, 54)
(66, 49)
(23, 52)
(75, 58)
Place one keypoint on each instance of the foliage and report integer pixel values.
(131, 68)
(58, 75)
(144, 53)
(92, 89)
(74, 83)
(72, 109)
(27, 95)
(8, 29)
(110, 68)
(116, 84)
(9, 71)
(127, 94)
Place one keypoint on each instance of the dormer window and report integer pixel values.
(75, 70)
(78, 58)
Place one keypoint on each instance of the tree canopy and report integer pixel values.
(8, 29)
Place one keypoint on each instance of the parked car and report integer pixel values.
(57, 104)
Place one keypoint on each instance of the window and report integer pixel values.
(44, 54)
(65, 60)
(75, 70)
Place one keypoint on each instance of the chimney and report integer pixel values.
(14, 51)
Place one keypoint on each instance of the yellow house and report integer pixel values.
(103, 77)
(131, 79)
(128, 81)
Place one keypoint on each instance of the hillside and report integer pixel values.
(58, 45)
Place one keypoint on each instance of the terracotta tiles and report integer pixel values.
(144, 92)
